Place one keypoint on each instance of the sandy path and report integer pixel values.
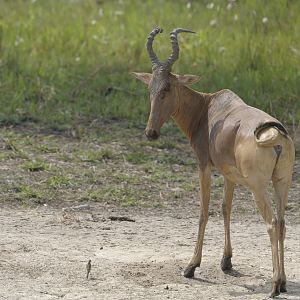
(43, 256)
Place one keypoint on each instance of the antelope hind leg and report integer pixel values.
(226, 208)
(282, 177)
(265, 209)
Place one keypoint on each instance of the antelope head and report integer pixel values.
(162, 84)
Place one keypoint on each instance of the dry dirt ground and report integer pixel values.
(44, 254)
(44, 249)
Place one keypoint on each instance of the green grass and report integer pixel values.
(62, 62)
(44, 148)
(26, 193)
(123, 170)
(160, 144)
(98, 155)
(58, 181)
(137, 157)
(14, 150)
(36, 166)
(127, 196)
(58, 176)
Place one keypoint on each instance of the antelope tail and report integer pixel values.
(268, 133)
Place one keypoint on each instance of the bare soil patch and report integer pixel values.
(44, 255)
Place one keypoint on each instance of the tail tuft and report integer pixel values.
(267, 134)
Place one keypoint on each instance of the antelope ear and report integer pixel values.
(188, 79)
(144, 77)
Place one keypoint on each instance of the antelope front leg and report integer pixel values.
(204, 203)
(226, 207)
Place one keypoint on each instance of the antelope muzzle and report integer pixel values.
(151, 134)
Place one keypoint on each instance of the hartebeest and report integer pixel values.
(245, 144)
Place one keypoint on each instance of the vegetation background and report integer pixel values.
(64, 61)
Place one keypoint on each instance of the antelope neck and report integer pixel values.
(191, 111)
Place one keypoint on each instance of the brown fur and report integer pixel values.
(225, 133)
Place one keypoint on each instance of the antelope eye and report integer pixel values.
(164, 91)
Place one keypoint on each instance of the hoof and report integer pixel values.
(275, 289)
(189, 271)
(283, 287)
(274, 294)
(226, 264)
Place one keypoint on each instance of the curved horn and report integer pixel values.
(175, 53)
(152, 55)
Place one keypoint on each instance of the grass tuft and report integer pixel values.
(58, 181)
(25, 193)
(36, 166)
(137, 157)
(94, 156)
